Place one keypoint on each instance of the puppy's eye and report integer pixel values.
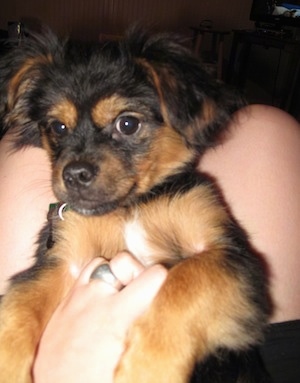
(128, 125)
(58, 128)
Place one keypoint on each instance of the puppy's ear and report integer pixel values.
(192, 102)
(21, 70)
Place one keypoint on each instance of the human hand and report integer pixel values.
(85, 337)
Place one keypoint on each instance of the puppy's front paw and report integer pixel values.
(152, 355)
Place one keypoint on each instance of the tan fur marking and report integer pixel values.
(168, 151)
(106, 110)
(14, 88)
(157, 84)
(45, 144)
(208, 111)
(91, 237)
(65, 112)
(206, 115)
(27, 310)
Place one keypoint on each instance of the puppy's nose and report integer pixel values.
(79, 174)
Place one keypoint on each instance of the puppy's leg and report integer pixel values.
(215, 297)
(34, 294)
(24, 313)
(199, 308)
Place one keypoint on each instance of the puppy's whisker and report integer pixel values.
(43, 185)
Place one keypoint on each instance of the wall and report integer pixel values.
(86, 18)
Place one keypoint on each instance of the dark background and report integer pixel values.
(87, 19)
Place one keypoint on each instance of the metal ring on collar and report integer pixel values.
(104, 273)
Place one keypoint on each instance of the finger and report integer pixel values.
(85, 275)
(94, 285)
(105, 274)
(125, 267)
(120, 271)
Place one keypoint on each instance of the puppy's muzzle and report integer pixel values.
(79, 175)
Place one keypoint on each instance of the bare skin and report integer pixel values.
(257, 169)
(25, 195)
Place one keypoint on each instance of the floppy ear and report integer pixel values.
(21, 70)
(192, 102)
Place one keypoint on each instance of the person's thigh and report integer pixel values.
(25, 194)
(257, 168)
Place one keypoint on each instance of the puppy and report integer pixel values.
(124, 124)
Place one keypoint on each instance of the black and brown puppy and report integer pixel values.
(124, 124)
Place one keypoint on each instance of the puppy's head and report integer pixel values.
(116, 119)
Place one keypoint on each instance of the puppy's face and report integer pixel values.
(108, 147)
(116, 120)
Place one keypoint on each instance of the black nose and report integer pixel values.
(79, 174)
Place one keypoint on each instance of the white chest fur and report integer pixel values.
(137, 242)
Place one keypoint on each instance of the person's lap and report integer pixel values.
(257, 170)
